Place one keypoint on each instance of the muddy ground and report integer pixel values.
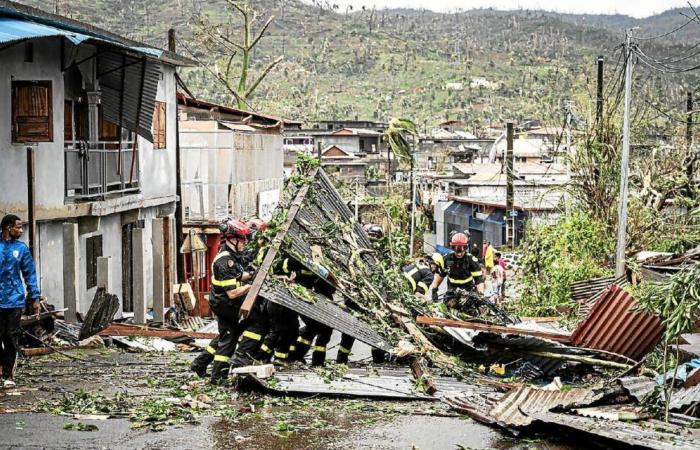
(153, 401)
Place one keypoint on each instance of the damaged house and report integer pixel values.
(87, 131)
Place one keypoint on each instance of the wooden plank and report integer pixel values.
(133, 330)
(435, 321)
(34, 318)
(272, 251)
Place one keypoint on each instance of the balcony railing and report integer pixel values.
(97, 170)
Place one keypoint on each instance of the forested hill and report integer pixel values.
(378, 64)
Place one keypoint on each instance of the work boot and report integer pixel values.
(378, 356)
(299, 351)
(318, 358)
(343, 355)
(201, 362)
(219, 372)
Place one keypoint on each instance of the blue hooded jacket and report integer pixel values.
(15, 264)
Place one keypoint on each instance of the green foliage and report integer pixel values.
(677, 301)
(573, 249)
(395, 136)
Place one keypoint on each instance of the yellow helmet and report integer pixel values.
(438, 259)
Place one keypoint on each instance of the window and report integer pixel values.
(93, 250)
(32, 119)
(159, 125)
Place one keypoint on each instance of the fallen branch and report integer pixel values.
(134, 330)
(578, 358)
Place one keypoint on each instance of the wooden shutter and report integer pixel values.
(32, 118)
(159, 125)
(68, 120)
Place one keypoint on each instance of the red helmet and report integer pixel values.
(257, 225)
(459, 240)
(232, 228)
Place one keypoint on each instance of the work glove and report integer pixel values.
(434, 295)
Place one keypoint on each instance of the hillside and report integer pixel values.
(381, 64)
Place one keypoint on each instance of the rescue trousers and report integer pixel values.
(9, 340)
(345, 348)
(227, 312)
(316, 333)
(282, 334)
(202, 361)
(256, 326)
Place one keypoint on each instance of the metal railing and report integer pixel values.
(96, 170)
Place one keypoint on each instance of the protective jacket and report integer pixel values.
(419, 276)
(16, 264)
(464, 272)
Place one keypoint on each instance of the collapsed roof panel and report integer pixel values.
(325, 312)
(320, 232)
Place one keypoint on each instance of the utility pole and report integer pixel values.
(624, 170)
(179, 237)
(689, 120)
(599, 94)
(510, 194)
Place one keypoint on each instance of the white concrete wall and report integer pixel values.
(157, 167)
(49, 155)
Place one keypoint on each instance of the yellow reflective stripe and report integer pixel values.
(319, 348)
(343, 349)
(265, 348)
(281, 355)
(412, 271)
(410, 280)
(306, 272)
(225, 283)
(292, 348)
(303, 341)
(423, 285)
(260, 256)
(210, 349)
(222, 358)
(465, 281)
(220, 255)
(251, 335)
(285, 265)
(477, 274)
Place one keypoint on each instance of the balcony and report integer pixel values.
(99, 170)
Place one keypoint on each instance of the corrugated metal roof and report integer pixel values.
(476, 401)
(637, 387)
(646, 434)
(379, 383)
(612, 326)
(587, 292)
(582, 290)
(516, 407)
(685, 397)
(76, 31)
(123, 100)
(325, 312)
(12, 29)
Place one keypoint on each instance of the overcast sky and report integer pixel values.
(635, 8)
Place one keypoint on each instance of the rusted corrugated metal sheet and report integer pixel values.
(516, 407)
(612, 326)
(476, 402)
(647, 434)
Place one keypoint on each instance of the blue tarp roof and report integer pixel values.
(14, 29)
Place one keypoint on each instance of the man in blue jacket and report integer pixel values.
(16, 271)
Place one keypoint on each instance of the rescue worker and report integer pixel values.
(421, 274)
(313, 332)
(229, 285)
(461, 269)
(271, 328)
(16, 271)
